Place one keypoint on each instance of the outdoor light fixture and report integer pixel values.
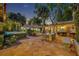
(62, 27)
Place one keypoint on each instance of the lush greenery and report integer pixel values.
(17, 17)
(43, 13)
(35, 21)
(12, 26)
(62, 12)
(14, 22)
(77, 24)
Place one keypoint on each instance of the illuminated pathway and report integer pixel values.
(33, 46)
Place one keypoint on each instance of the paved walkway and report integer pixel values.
(34, 46)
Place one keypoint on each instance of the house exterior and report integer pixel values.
(66, 27)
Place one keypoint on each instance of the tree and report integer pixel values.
(77, 25)
(67, 12)
(12, 16)
(76, 19)
(17, 17)
(56, 15)
(42, 12)
(36, 21)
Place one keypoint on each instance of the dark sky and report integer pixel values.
(25, 9)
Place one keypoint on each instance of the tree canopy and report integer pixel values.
(35, 21)
(17, 17)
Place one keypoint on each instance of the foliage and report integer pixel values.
(67, 15)
(42, 12)
(1, 27)
(35, 21)
(10, 40)
(75, 8)
(77, 24)
(29, 31)
(59, 15)
(1, 39)
(8, 26)
(17, 17)
(77, 17)
(63, 11)
(11, 26)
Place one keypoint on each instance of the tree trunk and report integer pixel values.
(75, 20)
(52, 23)
(77, 33)
(43, 26)
(51, 36)
(4, 12)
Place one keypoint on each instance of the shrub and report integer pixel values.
(13, 39)
(29, 31)
(1, 39)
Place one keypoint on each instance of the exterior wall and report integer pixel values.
(67, 27)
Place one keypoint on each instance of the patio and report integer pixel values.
(34, 46)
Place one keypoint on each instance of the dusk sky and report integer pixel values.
(25, 9)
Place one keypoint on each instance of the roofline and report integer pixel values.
(63, 22)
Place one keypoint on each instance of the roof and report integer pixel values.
(63, 22)
(32, 26)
